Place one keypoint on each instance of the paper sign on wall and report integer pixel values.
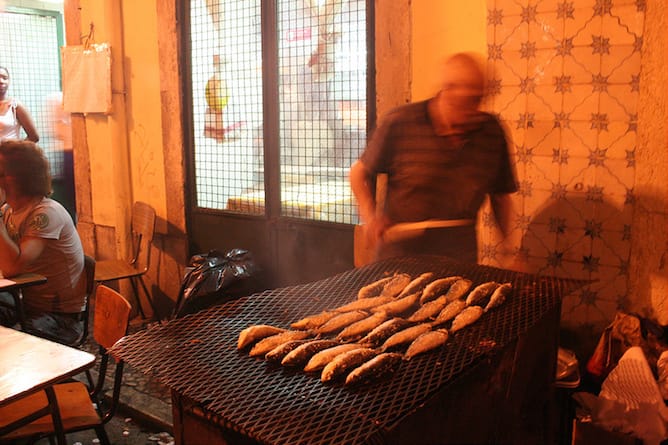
(87, 78)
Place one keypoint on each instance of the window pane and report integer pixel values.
(227, 103)
(322, 91)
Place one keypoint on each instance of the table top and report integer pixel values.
(29, 363)
(21, 280)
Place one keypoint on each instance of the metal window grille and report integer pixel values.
(30, 42)
(321, 90)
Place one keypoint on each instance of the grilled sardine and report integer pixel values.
(429, 309)
(342, 364)
(364, 304)
(255, 333)
(499, 296)
(458, 289)
(398, 305)
(314, 321)
(450, 311)
(417, 284)
(267, 344)
(427, 342)
(466, 317)
(320, 359)
(384, 331)
(340, 321)
(360, 328)
(481, 292)
(303, 353)
(280, 351)
(405, 336)
(374, 369)
(394, 287)
(437, 288)
(373, 289)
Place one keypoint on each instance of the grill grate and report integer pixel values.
(196, 356)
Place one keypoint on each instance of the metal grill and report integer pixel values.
(196, 356)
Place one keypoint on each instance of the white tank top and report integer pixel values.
(9, 125)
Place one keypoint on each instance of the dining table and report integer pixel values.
(29, 364)
(15, 285)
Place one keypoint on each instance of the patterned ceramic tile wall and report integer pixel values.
(565, 82)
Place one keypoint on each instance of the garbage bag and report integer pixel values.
(213, 278)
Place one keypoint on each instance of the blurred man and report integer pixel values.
(441, 158)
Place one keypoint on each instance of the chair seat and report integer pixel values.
(107, 270)
(74, 403)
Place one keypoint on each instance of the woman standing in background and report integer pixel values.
(13, 115)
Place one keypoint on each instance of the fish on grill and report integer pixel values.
(384, 331)
(360, 328)
(394, 287)
(405, 336)
(373, 289)
(341, 321)
(481, 292)
(499, 296)
(267, 344)
(303, 353)
(399, 305)
(437, 288)
(374, 369)
(458, 289)
(450, 311)
(426, 342)
(417, 284)
(429, 309)
(342, 364)
(280, 351)
(466, 317)
(364, 304)
(256, 333)
(314, 321)
(320, 359)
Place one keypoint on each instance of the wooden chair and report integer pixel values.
(142, 226)
(80, 408)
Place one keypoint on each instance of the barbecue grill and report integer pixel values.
(462, 390)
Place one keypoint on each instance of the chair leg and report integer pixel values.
(137, 297)
(148, 295)
(102, 435)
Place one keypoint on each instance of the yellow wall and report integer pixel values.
(440, 28)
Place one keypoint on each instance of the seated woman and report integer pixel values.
(38, 235)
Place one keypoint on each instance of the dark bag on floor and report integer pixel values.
(214, 278)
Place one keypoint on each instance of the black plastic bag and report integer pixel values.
(214, 278)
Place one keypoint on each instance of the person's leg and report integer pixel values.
(61, 328)
(8, 316)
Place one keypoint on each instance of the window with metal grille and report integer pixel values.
(30, 40)
(318, 75)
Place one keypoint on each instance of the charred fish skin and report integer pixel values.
(429, 309)
(437, 288)
(450, 311)
(267, 344)
(320, 359)
(405, 336)
(481, 292)
(394, 287)
(427, 342)
(303, 353)
(384, 331)
(256, 333)
(374, 369)
(466, 317)
(360, 328)
(458, 289)
(280, 351)
(417, 284)
(373, 289)
(341, 321)
(342, 364)
(499, 296)
(399, 305)
(314, 321)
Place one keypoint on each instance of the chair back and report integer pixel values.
(111, 316)
(143, 227)
(89, 276)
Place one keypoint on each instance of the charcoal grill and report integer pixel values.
(196, 357)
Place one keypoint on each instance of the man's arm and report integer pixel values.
(502, 206)
(360, 183)
(24, 118)
(13, 258)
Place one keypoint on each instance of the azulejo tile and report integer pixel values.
(621, 65)
(547, 30)
(581, 64)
